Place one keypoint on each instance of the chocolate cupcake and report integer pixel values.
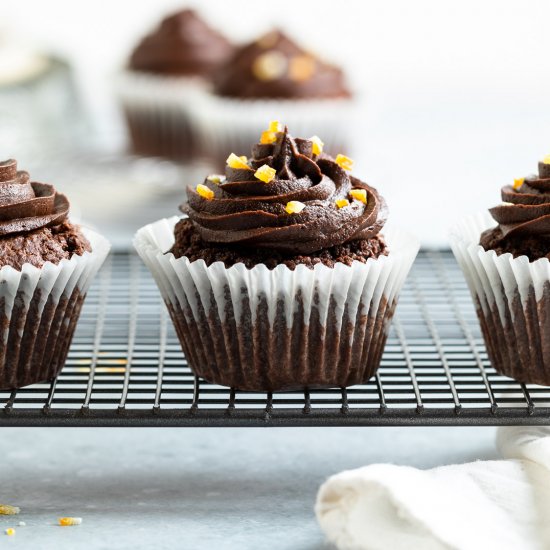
(275, 77)
(508, 272)
(275, 67)
(278, 276)
(166, 73)
(46, 266)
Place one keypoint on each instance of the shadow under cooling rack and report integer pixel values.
(126, 368)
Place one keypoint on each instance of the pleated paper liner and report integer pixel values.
(512, 299)
(39, 310)
(261, 329)
(158, 109)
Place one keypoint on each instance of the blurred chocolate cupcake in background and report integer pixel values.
(274, 77)
(158, 90)
(275, 67)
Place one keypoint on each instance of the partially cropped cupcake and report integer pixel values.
(46, 266)
(275, 77)
(166, 73)
(278, 276)
(505, 257)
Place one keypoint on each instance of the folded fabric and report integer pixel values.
(484, 505)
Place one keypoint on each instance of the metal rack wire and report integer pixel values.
(126, 368)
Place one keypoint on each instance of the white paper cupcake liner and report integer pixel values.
(512, 298)
(261, 329)
(232, 125)
(39, 309)
(158, 113)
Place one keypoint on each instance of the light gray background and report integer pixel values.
(197, 488)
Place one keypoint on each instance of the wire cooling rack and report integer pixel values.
(126, 368)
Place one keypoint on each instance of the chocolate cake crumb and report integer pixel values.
(189, 244)
(47, 244)
(532, 246)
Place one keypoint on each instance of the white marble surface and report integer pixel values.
(197, 488)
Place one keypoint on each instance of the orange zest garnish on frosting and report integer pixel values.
(294, 207)
(518, 182)
(204, 192)
(239, 163)
(269, 66)
(341, 203)
(359, 195)
(546, 159)
(214, 179)
(344, 162)
(275, 126)
(268, 137)
(301, 68)
(318, 145)
(265, 173)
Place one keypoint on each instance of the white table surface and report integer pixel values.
(197, 488)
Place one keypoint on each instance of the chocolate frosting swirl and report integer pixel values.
(251, 213)
(526, 210)
(276, 67)
(26, 205)
(183, 44)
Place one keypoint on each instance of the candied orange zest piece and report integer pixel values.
(204, 192)
(239, 163)
(214, 179)
(275, 126)
(359, 195)
(518, 182)
(265, 173)
(268, 137)
(269, 66)
(301, 68)
(546, 159)
(344, 162)
(318, 145)
(8, 510)
(294, 207)
(66, 522)
(341, 203)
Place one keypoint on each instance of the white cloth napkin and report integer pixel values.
(484, 505)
